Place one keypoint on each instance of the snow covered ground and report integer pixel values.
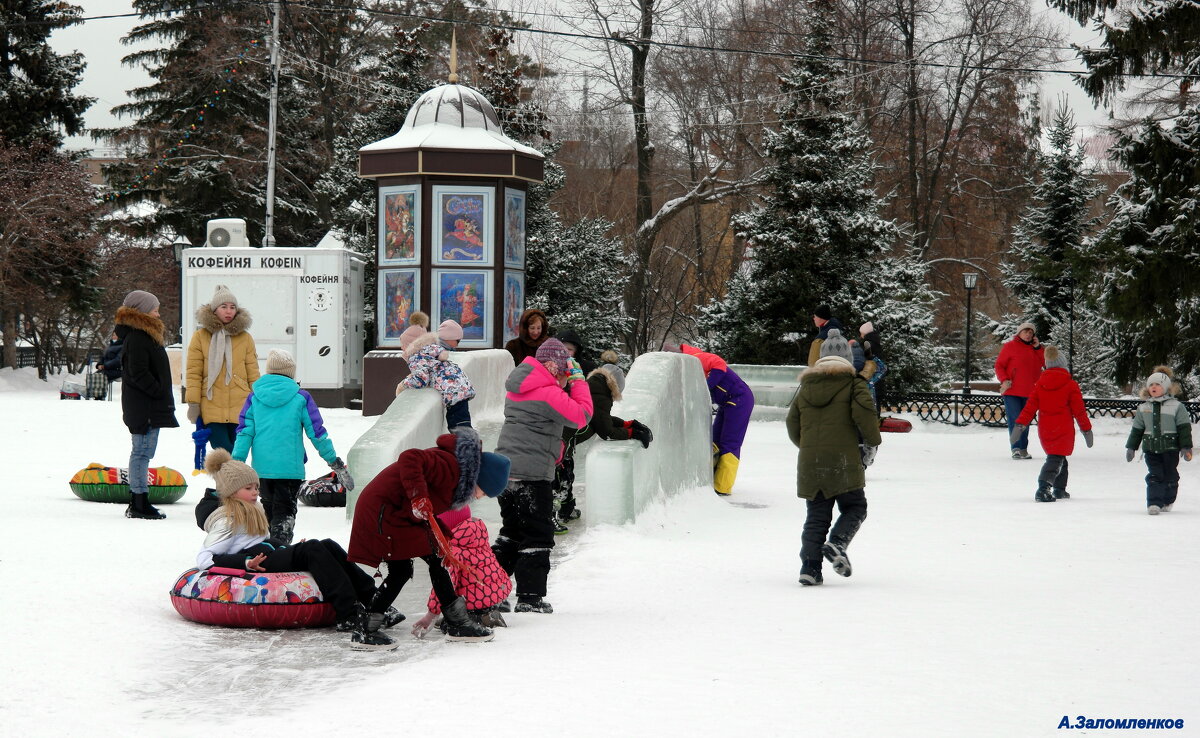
(972, 609)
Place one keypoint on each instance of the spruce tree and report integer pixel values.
(817, 237)
(36, 102)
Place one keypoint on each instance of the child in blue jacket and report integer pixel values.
(269, 431)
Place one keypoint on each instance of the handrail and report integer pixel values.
(957, 409)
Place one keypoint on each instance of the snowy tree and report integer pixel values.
(36, 102)
(817, 239)
(1046, 267)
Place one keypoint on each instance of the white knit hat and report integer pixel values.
(221, 296)
(281, 362)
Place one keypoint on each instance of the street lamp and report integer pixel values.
(177, 246)
(969, 280)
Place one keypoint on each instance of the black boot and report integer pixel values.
(141, 509)
(810, 573)
(1061, 494)
(491, 618)
(835, 553)
(460, 627)
(533, 604)
(366, 635)
(1043, 494)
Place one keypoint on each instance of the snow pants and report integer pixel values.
(223, 435)
(852, 509)
(279, 498)
(1162, 483)
(728, 432)
(1054, 473)
(1013, 406)
(398, 574)
(342, 583)
(526, 535)
(458, 414)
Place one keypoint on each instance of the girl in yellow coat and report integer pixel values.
(222, 364)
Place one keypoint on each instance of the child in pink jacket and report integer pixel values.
(485, 587)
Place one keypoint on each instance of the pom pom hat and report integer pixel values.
(553, 351)
(221, 296)
(835, 345)
(1055, 359)
(228, 475)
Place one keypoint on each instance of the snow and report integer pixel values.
(972, 609)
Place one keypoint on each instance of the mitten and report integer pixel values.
(1129, 453)
(1015, 437)
(1005, 385)
(422, 508)
(574, 371)
(1187, 454)
(1088, 438)
(867, 452)
(343, 474)
(193, 412)
(641, 433)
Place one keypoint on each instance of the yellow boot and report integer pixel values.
(725, 474)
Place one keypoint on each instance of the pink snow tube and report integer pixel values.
(251, 599)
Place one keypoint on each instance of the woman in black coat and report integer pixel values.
(147, 403)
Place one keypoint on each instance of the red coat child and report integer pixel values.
(1056, 400)
(489, 585)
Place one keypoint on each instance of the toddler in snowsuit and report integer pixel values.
(735, 403)
(1055, 400)
(269, 430)
(395, 521)
(546, 392)
(1163, 428)
(237, 539)
(482, 589)
(832, 410)
(429, 365)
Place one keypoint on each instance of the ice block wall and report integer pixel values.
(774, 386)
(416, 417)
(667, 392)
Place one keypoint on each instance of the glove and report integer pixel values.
(193, 413)
(867, 452)
(1129, 452)
(574, 371)
(1005, 385)
(422, 508)
(1088, 438)
(640, 433)
(1187, 454)
(1017, 431)
(343, 474)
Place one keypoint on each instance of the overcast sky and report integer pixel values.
(106, 79)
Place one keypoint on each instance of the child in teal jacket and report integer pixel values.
(269, 432)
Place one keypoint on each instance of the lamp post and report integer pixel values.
(969, 280)
(177, 246)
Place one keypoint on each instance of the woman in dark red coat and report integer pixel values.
(395, 519)
(1058, 405)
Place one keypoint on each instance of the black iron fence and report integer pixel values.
(956, 409)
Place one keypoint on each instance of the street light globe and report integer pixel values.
(969, 279)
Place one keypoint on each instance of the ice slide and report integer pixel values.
(666, 391)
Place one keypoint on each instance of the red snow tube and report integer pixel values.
(251, 599)
(895, 425)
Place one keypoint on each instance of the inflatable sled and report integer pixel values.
(323, 492)
(895, 425)
(238, 599)
(99, 483)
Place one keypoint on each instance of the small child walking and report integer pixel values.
(429, 365)
(1163, 428)
(484, 588)
(269, 430)
(1056, 401)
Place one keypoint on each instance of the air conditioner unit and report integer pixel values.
(225, 232)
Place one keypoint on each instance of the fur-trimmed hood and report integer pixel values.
(610, 380)
(465, 444)
(427, 339)
(207, 319)
(140, 321)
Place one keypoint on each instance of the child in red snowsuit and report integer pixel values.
(1058, 404)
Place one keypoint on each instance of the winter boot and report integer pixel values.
(573, 515)
(1061, 494)
(1153, 509)
(502, 606)
(835, 553)
(810, 573)
(392, 616)
(533, 604)
(491, 618)
(141, 509)
(366, 635)
(1043, 494)
(560, 527)
(1167, 508)
(460, 627)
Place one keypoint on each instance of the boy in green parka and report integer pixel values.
(830, 413)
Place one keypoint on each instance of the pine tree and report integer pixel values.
(1046, 267)
(36, 102)
(817, 238)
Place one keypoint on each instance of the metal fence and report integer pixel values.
(956, 409)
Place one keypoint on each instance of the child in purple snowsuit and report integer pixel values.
(734, 402)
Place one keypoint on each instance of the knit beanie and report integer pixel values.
(228, 475)
(835, 345)
(553, 351)
(141, 301)
(1161, 379)
(1030, 326)
(221, 296)
(493, 473)
(1055, 359)
(610, 365)
(823, 312)
(281, 362)
(450, 331)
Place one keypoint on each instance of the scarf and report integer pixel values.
(220, 349)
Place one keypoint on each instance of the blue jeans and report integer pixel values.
(1013, 406)
(139, 461)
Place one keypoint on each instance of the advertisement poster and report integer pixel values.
(463, 235)
(464, 296)
(399, 225)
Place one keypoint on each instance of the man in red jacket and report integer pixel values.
(1018, 367)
